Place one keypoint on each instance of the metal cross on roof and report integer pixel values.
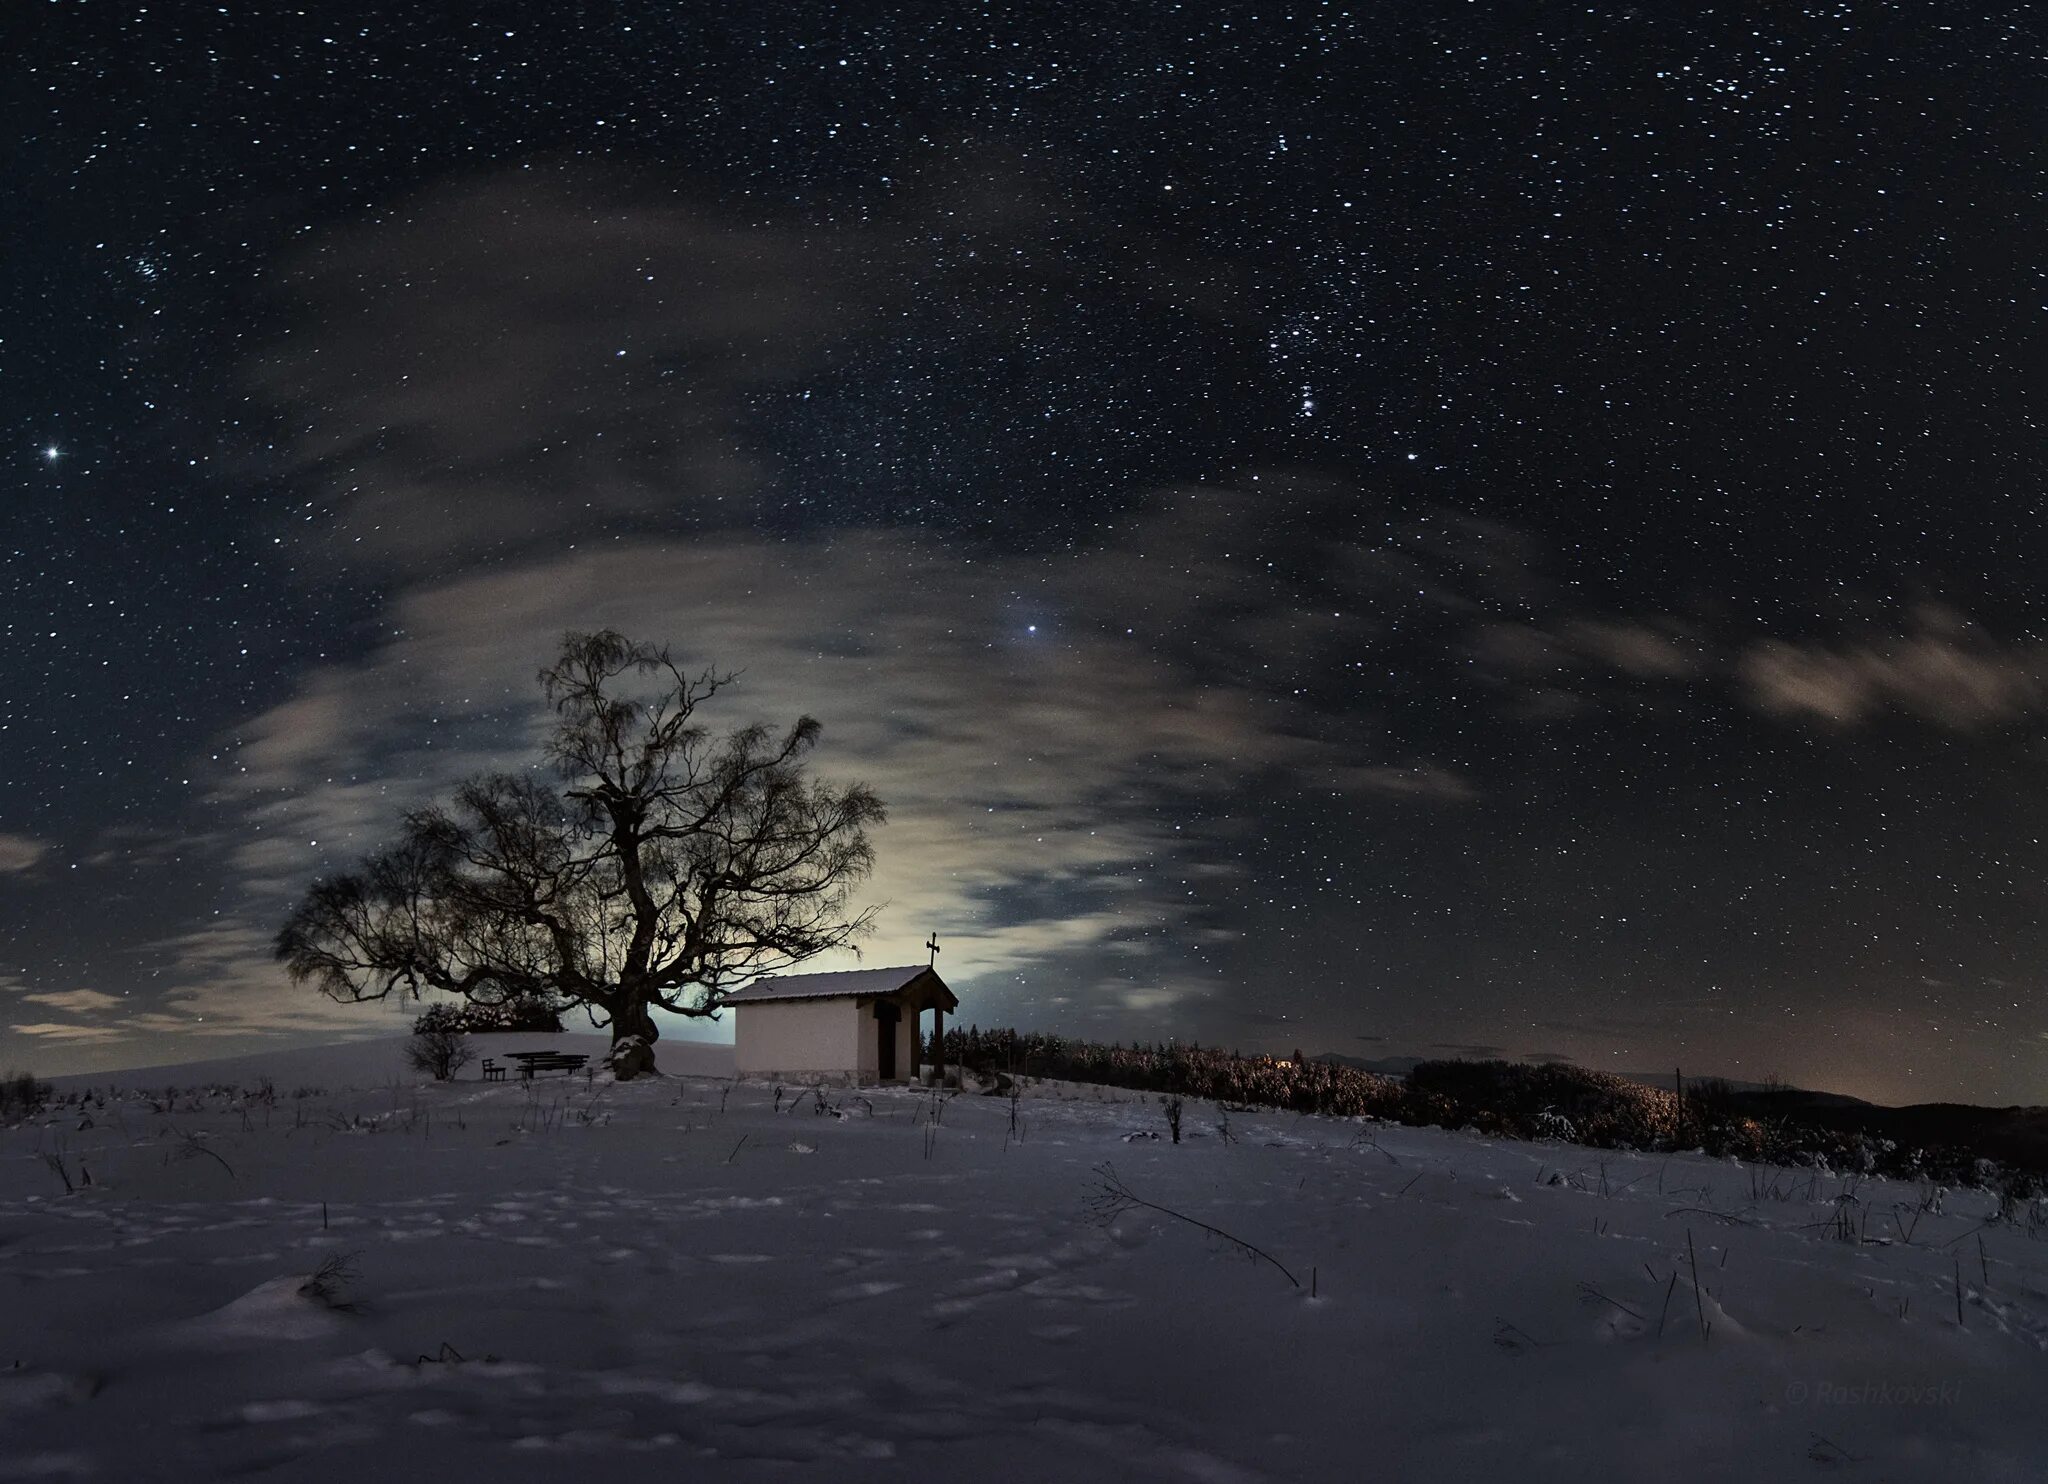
(934, 947)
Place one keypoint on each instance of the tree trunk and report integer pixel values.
(632, 1019)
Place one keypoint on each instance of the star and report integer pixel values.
(52, 453)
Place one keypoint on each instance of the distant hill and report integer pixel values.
(1401, 1066)
(2016, 1135)
(1801, 1096)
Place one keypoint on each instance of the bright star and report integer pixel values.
(52, 453)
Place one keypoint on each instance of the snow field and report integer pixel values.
(529, 1281)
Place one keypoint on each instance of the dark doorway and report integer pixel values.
(886, 1016)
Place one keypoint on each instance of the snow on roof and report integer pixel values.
(832, 986)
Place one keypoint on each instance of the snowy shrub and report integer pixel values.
(439, 1053)
(1711, 1099)
(2018, 1191)
(21, 1094)
(1518, 1100)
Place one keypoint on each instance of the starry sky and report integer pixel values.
(1438, 528)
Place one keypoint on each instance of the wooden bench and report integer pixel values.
(533, 1062)
(493, 1072)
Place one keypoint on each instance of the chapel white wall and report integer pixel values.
(800, 1040)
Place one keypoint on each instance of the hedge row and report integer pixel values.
(1507, 1099)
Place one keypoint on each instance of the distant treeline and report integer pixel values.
(1186, 1068)
(523, 1013)
(1513, 1100)
(20, 1095)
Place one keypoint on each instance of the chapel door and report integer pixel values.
(886, 1016)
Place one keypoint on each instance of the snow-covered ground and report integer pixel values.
(546, 1281)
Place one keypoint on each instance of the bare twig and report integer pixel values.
(1905, 1231)
(331, 1282)
(1505, 1336)
(1589, 1291)
(1730, 1217)
(1826, 1450)
(1698, 1298)
(56, 1163)
(1109, 1198)
(191, 1147)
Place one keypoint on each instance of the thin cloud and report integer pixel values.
(1415, 781)
(66, 1031)
(540, 354)
(1940, 673)
(20, 852)
(77, 1001)
(485, 346)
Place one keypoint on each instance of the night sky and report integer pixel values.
(1422, 528)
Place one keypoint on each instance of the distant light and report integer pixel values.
(1031, 628)
(52, 453)
(1413, 457)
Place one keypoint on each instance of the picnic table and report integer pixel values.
(531, 1063)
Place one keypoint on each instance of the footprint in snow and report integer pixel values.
(283, 1410)
(23, 1391)
(1067, 1291)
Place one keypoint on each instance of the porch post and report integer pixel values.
(939, 1042)
(916, 1045)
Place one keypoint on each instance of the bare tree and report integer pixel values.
(439, 1052)
(667, 869)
